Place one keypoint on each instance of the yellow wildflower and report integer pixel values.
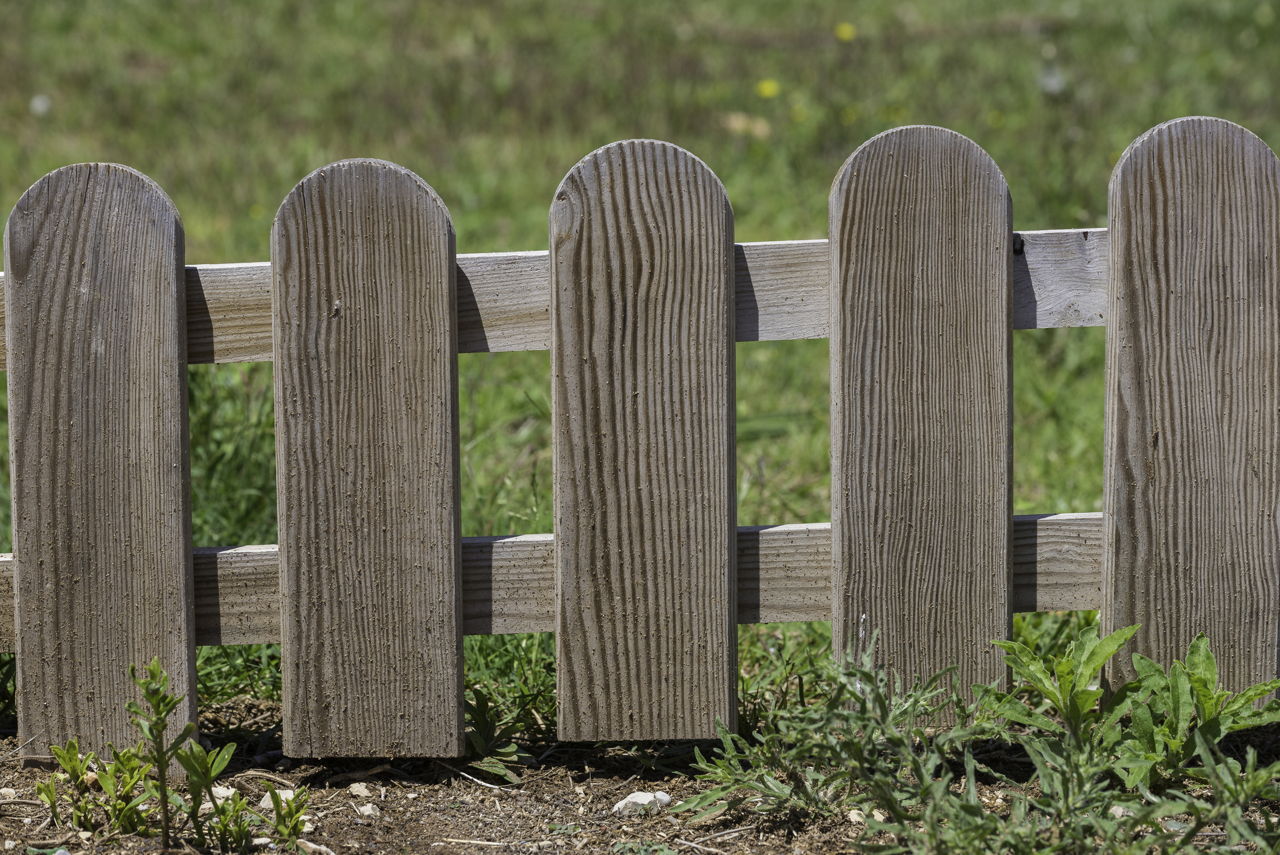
(768, 88)
(846, 32)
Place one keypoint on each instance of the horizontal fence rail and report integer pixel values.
(781, 293)
(784, 574)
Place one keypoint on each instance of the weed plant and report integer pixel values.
(130, 792)
(1137, 768)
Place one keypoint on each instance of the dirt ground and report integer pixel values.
(562, 805)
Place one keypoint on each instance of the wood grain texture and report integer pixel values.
(921, 261)
(508, 583)
(98, 452)
(1193, 396)
(367, 450)
(1060, 279)
(504, 298)
(641, 239)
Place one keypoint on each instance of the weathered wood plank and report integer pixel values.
(1057, 562)
(98, 445)
(641, 239)
(921, 404)
(784, 574)
(504, 298)
(367, 448)
(1060, 279)
(1193, 396)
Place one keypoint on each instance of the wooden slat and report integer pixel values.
(1060, 279)
(366, 427)
(98, 432)
(784, 574)
(1193, 396)
(921, 404)
(504, 298)
(643, 445)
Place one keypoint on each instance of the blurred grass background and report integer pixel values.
(227, 103)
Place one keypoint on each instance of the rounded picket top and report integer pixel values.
(144, 205)
(1178, 140)
(624, 161)
(941, 143)
(357, 171)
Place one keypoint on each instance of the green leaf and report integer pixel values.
(221, 759)
(1201, 662)
(1249, 697)
(1142, 727)
(1013, 709)
(1102, 652)
(1147, 668)
(1064, 672)
(1181, 705)
(1028, 667)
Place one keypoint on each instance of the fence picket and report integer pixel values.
(366, 423)
(1193, 396)
(98, 441)
(642, 362)
(921, 261)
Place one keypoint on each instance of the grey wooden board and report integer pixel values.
(367, 459)
(1193, 397)
(1059, 280)
(784, 574)
(98, 452)
(921, 262)
(643, 437)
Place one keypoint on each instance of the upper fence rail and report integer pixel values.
(782, 293)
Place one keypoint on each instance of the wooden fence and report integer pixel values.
(640, 299)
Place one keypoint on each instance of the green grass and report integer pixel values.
(228, 103)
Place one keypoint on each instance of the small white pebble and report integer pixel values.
(11, 844)
(223, 793)
(369, 810)
(360, 791)
(8, 793)
(641, 803)
(857, 817)
(410, 795)
(284, 795)
(314, 848)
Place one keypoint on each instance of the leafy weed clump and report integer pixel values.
(130, 793)
(1137, 768)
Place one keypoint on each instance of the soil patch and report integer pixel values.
(563, 804)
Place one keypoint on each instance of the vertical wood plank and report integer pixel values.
(642, 364)
(96, 333)
(366, 425)
(1193, 397)
(921, 266)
